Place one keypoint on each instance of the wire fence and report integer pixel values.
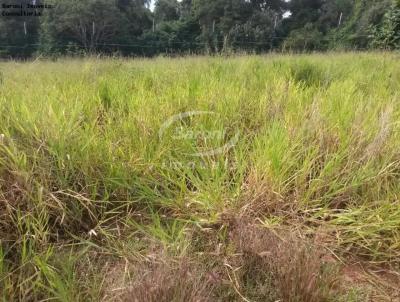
(154, 43)
(174, 45)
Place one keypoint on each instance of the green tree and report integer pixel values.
(257, 33)
(166, 10)
(92, 25)
(228, 24)
(387, 34)
(305, 39)
(354, 33)
(303, 12)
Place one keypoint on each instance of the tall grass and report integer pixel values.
(87, 179)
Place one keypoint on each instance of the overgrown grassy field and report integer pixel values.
(254, 178)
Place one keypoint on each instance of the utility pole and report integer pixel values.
(340, 19)
(93, 32)
(215, 45)
(154, 25)
(274, 33)
(25, 31)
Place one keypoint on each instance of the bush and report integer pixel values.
(307, 38)
(387, 35)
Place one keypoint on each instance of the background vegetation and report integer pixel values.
(129, 27)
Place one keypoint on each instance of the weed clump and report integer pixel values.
(308, 74)
(164, 278)
(282, 266)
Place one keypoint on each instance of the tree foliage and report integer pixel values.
(387, 34)
(129, 27)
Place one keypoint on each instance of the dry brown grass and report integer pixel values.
(252, 264)
(169, 281)
(13, 195)
(294, 268)
(258, 198)
(159, 277)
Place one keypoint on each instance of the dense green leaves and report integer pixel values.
(129, 27)
(387, 35)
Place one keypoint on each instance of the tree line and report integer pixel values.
(131, 28)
